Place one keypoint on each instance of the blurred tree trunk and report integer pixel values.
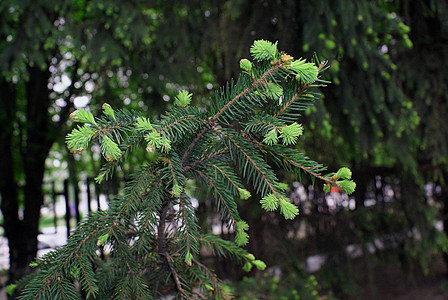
(22, 232)
(8, 186)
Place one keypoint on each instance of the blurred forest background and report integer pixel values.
(384, 115)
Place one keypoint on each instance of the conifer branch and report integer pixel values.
(198, 278)
(151, 240)
(179, 121)
(185, 222)
(256, 83)
(61, 288)
(308, 170)
(262, 172)
(297, 95)
(208, 157)
(234, 184)
(137, 191)
(191, 146)
(293, 99)
(232, 212)
(314, 174)
(179, 288)
(44, 287)
(148, 212)
(91, 286)
(223, 248)
(173, 174)
(99, 227)
(161, 228)
(111, 165)
(211, 277)
(79, 246)
(199, 294)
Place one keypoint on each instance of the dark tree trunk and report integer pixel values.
(8, 187)
(22, 233)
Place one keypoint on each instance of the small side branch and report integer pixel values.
(162, 247)
(256, 83)
(300, 92)
(193, 143)
(204, 159)
(161, 229)
(169, 260)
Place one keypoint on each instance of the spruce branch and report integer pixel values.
(176, 125)
(148, 219)
(179, 288)
(226, 175)
(107, 170)
(189, 230)
(259, 82)
(264, 50)
(87, 276)
(204, 159)
(300, 92)
(211, 277)
(223, 248)
(204, 277)
(260, 169)
(192, 144)
(152, 227)
(286, 160)
(224, 199)
(79, 139)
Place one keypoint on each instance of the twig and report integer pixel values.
(192, 145)
(169, 260)
(248, 89)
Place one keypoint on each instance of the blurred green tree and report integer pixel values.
(383, 114)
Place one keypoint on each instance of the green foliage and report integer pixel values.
(10, 289)
(271, 137)
(241, 236)
(78, 140)
(108, 111)
(143, 124)
(307, 72)
(183, 98)
(151, 227)
(274, 91)
(83, 116)
(246, 65)
(244, 194)
(290, 133)
(263, 50)
(110, 149)
(344, 173)
(348, 186)
(269, 202)
(289, 210)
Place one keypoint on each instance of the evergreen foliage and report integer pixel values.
(150, 233)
